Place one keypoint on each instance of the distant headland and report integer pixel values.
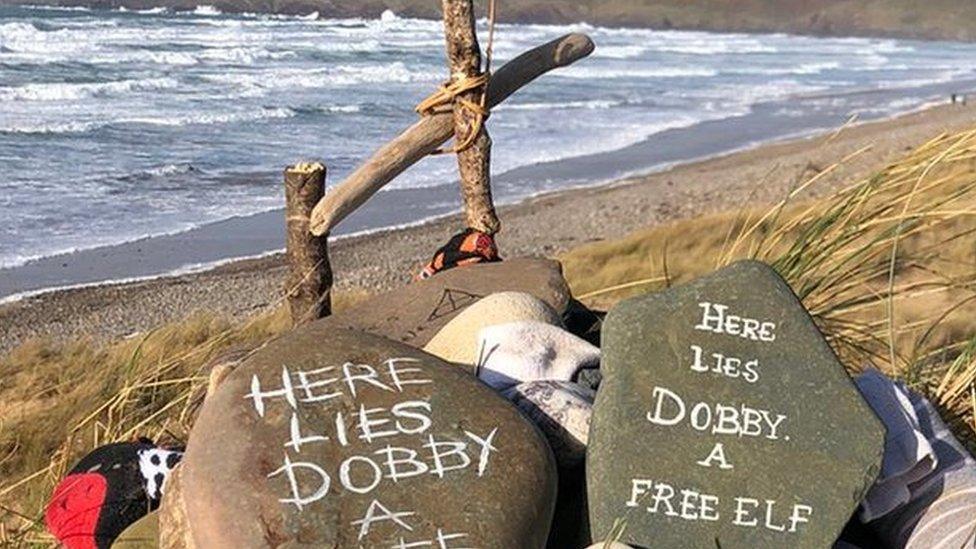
(932, 20)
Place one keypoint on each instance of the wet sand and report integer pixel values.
(545, 225)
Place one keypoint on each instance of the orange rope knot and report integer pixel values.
(449, 94)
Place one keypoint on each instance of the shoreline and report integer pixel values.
(209, 245)
(547, 224)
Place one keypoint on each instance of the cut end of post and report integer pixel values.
(305, 168)
(309, 281)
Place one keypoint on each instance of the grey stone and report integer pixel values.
(775, 450)
(173, 526)
(337, 438)
(415, 313)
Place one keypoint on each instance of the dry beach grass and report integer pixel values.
(886, 263)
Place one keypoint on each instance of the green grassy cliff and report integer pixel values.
(932, 19)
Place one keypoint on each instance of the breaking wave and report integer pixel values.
(58, 91)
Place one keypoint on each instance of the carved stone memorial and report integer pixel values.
(362, 442)
(724, 419)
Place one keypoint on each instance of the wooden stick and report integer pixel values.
(474, 162)
(430, 132)
(309, 281)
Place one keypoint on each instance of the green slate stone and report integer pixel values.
(769, 446)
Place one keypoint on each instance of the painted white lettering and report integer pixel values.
(486, 449)
(715, 318)
(709, 507)
(801, 514)
(638, 487)
(407, 457)
(287, 391)
(296, 440)
(307, 384)
(663, 494)
(445, 449)
(373, 515)
(397, 372)
(367, 425)
(717, 454)
(345, 474)
(769, 517)
(742, 514)
(404, 411)
(660, 393)
(367, 374)
(297, 499)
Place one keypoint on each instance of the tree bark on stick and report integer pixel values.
(474, 162)
(430, 132)
(309, 281)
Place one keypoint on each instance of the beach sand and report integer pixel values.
(545, 225)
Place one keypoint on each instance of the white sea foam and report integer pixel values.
(206, 11)
(59, 91)
(198, 119)
(211, 118)
(170, 169)
(633, 72)
(595, 104)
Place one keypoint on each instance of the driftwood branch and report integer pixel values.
(474, 162)
(430, 132)
(309, 281)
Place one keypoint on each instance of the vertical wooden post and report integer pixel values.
(309, 281)
(464, 59)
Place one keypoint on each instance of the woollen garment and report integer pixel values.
(457, 341)
(941, 509)
(562, 411)
(908, 456)
(468, 247)
(519, 352)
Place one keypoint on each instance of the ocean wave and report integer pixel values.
(50, 128)
(207, 119)
(200, 119)
(260, 82)
(620, 51)
(596, 104)
(712, 46)
(630, 72)
(54, 8)
(170, 169)
(60, 91)
(206, 10)
(801, 69)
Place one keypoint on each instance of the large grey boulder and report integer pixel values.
(335, 438)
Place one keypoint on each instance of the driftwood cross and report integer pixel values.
(430, 132)
(310, 282)
(474, 162)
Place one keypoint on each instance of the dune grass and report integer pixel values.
(887, 267)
